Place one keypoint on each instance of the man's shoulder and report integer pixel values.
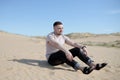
(50, 34)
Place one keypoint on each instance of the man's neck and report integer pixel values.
(57, 35)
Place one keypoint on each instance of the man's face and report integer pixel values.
(58, 29)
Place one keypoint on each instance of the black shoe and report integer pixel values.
(100, 66)
(87, 70)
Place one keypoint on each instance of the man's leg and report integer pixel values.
(80, 54)
(60, 58)
(77, 52)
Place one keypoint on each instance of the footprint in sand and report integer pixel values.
(52, 73)
(117, 69)
(10, 68)
(109, 69)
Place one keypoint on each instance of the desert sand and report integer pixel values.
(23, 58)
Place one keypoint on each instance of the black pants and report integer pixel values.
(60, 57)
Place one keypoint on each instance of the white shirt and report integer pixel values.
(49, 48)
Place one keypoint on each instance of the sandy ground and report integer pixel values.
(23, 58)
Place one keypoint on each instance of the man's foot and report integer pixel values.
(87, 70)
(100, 66)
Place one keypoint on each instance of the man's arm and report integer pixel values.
(71, 43)
(55, 44)
(58, 46)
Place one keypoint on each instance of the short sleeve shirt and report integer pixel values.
(49, 48)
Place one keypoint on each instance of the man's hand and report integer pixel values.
(84, 50)
(69, 56)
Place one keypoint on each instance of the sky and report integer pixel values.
(36, 17)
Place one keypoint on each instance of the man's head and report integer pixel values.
(58, 27)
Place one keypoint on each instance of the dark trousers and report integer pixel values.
(60, 57)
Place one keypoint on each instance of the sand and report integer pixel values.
(23, 58)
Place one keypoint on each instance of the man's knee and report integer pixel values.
(75, 50)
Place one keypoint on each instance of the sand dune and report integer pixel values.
(23, 58)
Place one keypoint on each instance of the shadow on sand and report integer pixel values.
(40, 63)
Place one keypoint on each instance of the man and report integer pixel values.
(56, 54)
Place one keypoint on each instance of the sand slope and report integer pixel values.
(23, 58)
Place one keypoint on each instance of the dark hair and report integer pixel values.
(57, 23)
